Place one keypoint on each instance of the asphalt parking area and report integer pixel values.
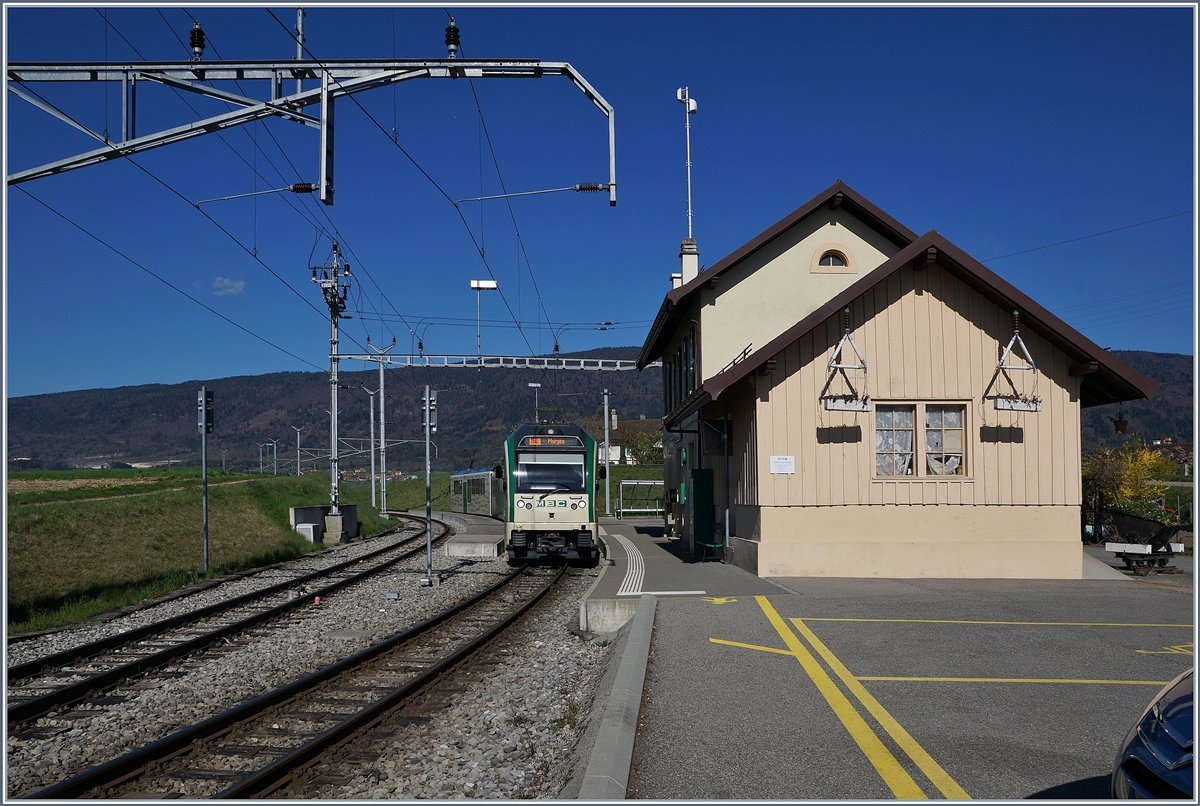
(877, 689)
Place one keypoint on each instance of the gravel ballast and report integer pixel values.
(510, 734)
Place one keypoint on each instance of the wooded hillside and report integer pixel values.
(477, 410)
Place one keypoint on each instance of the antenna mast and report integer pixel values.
(682, 96)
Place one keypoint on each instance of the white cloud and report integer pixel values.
(223, 287)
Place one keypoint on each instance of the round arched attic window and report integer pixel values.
(832, 258)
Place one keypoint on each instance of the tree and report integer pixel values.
(646, 449)
(1123, 474)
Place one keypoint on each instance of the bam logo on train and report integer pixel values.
(551, 474)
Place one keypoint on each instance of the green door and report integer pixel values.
(700, 503)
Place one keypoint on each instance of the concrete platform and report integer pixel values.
(639, 559)
(476, 536)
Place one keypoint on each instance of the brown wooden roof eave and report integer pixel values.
(1113, 382)
(691, 404)
(870, 215)
(656, 339)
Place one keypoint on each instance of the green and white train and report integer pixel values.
(545, 493)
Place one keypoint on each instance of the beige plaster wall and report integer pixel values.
(961, 542)
(775, 287)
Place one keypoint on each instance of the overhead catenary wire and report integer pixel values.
(130, 160)
(337, 234)
(428, 177)
(196, 112)
(296, 187)
(165, 282)
(507, 198)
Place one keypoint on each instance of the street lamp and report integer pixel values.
(480, 285)
(535, 387)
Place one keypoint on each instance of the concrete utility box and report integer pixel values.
(310, 531)
(316, 514)
(346, 527)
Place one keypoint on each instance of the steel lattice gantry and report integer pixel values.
(335, 79)
(501, 361)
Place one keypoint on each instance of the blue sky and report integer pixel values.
(1005, 129)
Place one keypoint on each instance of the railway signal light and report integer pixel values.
(431, 411)
(204, 411)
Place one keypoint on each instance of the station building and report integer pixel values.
(845, 397)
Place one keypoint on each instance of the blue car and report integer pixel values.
(1155, 760)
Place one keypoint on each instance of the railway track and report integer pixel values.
(71, 676)
(268, 743)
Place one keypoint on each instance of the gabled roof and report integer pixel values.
(1108, 381)
(839, 194)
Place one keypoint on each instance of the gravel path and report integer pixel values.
(528, 735)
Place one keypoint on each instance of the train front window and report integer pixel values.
(549, 472)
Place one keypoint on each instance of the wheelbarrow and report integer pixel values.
(1147, 545)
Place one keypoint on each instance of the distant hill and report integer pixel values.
(1169, 414)
(477, 409)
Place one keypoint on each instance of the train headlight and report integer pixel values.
(574, 506)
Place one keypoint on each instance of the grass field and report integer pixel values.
(84, 542)
(76, 551)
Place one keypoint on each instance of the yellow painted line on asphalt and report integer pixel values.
(752, 646)
(925, 763)
(1188, 591)
(889, 769)
(1012, 623)
(1015, 680)
(1175, 649)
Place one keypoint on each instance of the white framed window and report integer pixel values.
(893, 440)
(944, 440)
(920, 439)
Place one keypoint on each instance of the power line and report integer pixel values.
(220, 135)
(1085, 237)
(432, 181)
(1148, 306)
(1110, 302)
(341, 239)
(508, 201)
(1119, 318)
(218, 225)
(167, 283)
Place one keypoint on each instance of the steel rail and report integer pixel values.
(279, 772)
(130, 765)
(74, 692)
(21, 671)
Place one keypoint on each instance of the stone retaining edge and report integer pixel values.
(607, 776)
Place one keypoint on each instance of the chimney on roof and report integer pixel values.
(676, 280)
(689, 260)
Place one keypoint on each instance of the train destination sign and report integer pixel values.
(551, 442)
